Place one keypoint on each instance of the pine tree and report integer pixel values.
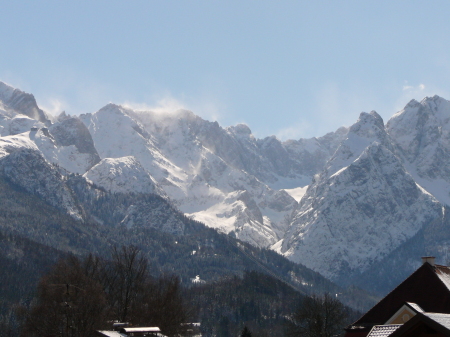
(246, 332)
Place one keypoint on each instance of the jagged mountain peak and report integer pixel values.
(419, 125)
(421, 112)
(432, 102)
(368, 125)
(240, 129)
(412, 103)
(15, 101)
(434, 98)
(439, 106)
(6, 91)
(415, 112)
(62, 116)
(369, 128)
(421, 133)
(113, 108)
(116, 119)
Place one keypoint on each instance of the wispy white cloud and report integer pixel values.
(210, 108)
(295, 131)
(417, 92)
(327, 110)
(206, 107)
(413, 89)
(337, 105)
(166, 104)
(53, 106)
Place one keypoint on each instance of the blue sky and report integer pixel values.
(290, 68)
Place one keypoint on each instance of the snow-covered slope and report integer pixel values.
(181, 153)
(360, 208)
(10, 144)
(17, 124)
(122, 175)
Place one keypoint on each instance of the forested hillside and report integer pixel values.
(35, 235)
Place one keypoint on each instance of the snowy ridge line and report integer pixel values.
(361, 191)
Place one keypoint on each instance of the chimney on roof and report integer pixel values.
(429, 259)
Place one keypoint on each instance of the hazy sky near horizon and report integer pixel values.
(287, 68)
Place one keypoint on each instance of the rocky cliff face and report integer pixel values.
(28, 169)
(15, 101)
(70, 131)
(421, 132)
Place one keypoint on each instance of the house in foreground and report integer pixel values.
(419, 306)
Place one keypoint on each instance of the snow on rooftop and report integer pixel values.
(442, 319)
(383, 330)
(415, 306)
(111, 333)
(141, 329)
(443, 273)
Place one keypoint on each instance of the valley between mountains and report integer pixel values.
(358, 205)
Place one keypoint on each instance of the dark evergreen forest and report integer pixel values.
(244, 285)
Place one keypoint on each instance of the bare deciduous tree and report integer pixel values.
(162, 305)
(126, 279)
(68, 303)
(78, 297)
(318, 316)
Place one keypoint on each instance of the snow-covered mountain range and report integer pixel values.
(338, 204)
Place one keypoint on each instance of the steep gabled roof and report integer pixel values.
(442, 319)
(402, 315)
(423, 322)
(428, 287)
(414, 307)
